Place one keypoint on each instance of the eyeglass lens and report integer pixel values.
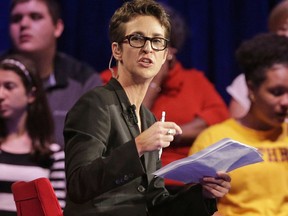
(138, 41)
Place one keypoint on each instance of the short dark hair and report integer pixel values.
(130, 10)
(259, 54)
(53, 6)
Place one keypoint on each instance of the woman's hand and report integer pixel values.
(216, 187)
(158, 136)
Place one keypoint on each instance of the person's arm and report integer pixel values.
(190, 132)
(212, 110)
(57, 174)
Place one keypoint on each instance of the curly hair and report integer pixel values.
(259, 54)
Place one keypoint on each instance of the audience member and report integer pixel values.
(26, 132)
(240, 103)
(112, 142)
(35, 26)
(186, 95)
(262, 188)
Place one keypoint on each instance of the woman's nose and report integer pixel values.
(2, 93)
(147, 46)
(284, 100)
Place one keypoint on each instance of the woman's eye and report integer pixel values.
(277, 92)
(9, 86)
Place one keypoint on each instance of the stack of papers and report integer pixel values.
(225, 155)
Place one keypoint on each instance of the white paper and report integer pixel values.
(225, 155)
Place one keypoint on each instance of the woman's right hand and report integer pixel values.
(158, 136)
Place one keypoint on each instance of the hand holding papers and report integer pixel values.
(225, 155)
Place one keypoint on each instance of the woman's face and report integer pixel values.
(144, 63)
(270, 99)
(13, 96)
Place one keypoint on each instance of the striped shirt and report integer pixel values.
(19, 167)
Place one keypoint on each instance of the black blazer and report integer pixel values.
(105, 175)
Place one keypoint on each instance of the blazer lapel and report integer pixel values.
(145, 125)
(129, 117)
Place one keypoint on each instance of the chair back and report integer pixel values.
(36, 198)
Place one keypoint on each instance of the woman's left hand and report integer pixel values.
(216, 187)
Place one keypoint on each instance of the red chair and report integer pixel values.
(36, 198)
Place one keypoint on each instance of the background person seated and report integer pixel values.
(262, 188)
(239, 102)
(27, 150)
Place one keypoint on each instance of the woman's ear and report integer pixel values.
(32, 95)
(251, 89)
(171, 53)
(117, 51)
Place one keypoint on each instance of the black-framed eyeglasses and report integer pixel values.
(139, 41)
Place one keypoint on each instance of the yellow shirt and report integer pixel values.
(260, 189)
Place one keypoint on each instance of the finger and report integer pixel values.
(167, 137)
(220, 177)
(171, 131)
(166, 144)
(216, 190)
(178, 129)
(224, 176)
(213, 193)
(223, 188)
(217, 183)
(172, 125)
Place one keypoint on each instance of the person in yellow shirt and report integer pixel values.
(260, 189)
